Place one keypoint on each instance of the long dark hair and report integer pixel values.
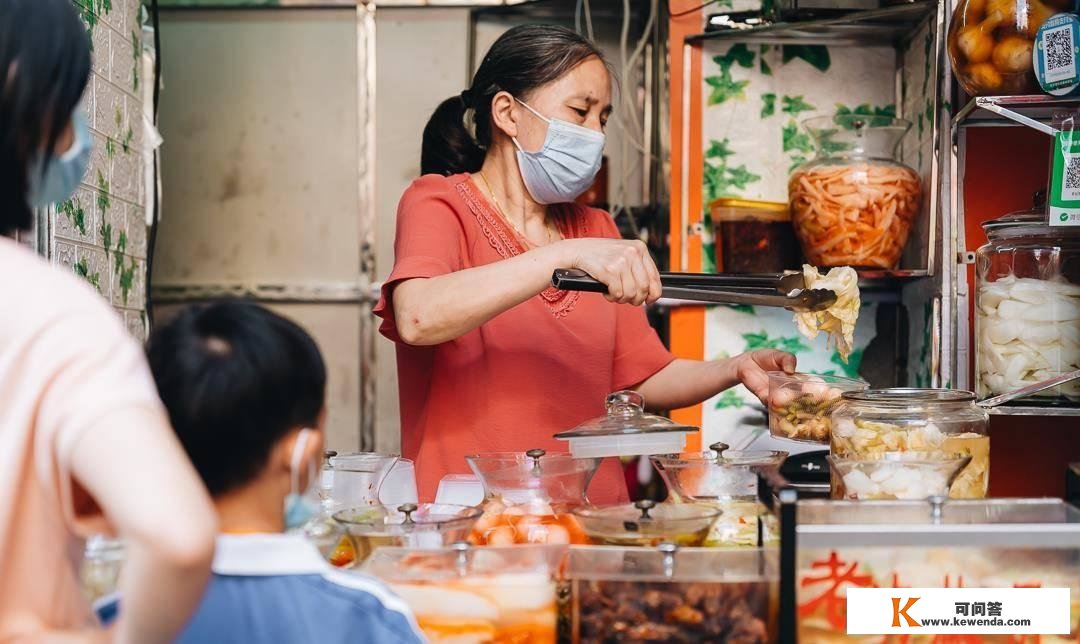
(44, 68)
(522, 59)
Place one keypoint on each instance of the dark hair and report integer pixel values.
(521, 60)
(235, 378)
(44, 68)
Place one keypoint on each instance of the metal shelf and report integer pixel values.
(1034, 111)
(1006, 410)
(874, 27)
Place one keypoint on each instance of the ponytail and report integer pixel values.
(448, 147)
(521, 60)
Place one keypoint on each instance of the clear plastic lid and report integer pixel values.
(626, 430)
(719, 473)
(534, 474)
(406, 518)
(646, 523)
(461, 560)
(669, 563)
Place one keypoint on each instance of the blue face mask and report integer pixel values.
(54, 178)
(299, 506)
(565, 166)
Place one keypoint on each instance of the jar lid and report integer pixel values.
(406, 518)
(910, 396)
(625, 415)
(734, 209)
(648, 523)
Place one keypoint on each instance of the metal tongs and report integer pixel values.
(784, 290)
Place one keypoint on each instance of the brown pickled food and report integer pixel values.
(990, 44)
(754, 236)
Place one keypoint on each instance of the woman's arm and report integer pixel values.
(132, 465)
(688, 382)
(434, 310)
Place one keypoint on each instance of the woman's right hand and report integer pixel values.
(624, 266)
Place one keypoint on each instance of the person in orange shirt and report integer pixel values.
(85, 445)
(490, 357)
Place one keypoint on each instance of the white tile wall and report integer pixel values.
(112, 250)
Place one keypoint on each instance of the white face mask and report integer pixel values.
(565, 166)
(299, 506)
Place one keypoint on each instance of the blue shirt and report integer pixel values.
(270, 588)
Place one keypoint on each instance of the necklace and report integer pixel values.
(502, 213)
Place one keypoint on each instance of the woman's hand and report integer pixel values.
(625, 267)
(752, 369)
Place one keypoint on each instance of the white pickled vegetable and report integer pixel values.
(837, 321)
(1029, 331)
(885, 480)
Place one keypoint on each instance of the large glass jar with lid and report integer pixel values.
(1027, 311)
(942, 421)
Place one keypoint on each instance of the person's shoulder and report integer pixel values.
(370, 603)
(430, 185)
(43, 293)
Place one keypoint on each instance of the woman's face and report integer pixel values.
(582, 96)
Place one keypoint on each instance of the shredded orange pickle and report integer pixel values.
(858, 214)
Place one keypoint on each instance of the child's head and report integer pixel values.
(240, 382)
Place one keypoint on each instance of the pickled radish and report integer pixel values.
(1028, 331)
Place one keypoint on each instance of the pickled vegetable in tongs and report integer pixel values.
(786, 290)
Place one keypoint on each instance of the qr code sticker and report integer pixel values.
(1060, 57)
(1070, 186)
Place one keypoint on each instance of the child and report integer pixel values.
(245, 391)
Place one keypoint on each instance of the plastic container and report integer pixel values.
(529, 495)
(728, 480)
(990, 44)
(943, 421)
(754, 236)
(800, 404)
(1027, 313)
(645, 523)
(854, 203)
(399, 486)
(409, 525)
(460, 489)
(904, 476)
(668, 594)
(463, 594)
(356, 477)
(626, 430)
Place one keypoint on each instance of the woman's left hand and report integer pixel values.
(752, 369)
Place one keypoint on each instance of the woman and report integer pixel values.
(85, 445)
(490, 358)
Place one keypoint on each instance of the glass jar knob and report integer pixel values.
(625, 403)
(407, 509)
(645, 505)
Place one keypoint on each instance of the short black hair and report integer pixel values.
(235, 378)
(44, 69)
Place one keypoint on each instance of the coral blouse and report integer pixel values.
(539, 368)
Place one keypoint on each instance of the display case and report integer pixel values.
(466, 594)
(668, 594)
(829, 546)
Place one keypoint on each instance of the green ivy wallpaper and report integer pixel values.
(101, 231)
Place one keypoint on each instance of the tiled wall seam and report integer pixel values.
(101, 233)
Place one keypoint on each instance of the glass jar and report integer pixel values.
(529, 496)
(102, 560)
(669, 594)
(944, 421)
(754, 236)
(466, 594)
(1027, 313)
(990, 44)
(728, 480)
(854, 203)
(410, 525)
(646, 523)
